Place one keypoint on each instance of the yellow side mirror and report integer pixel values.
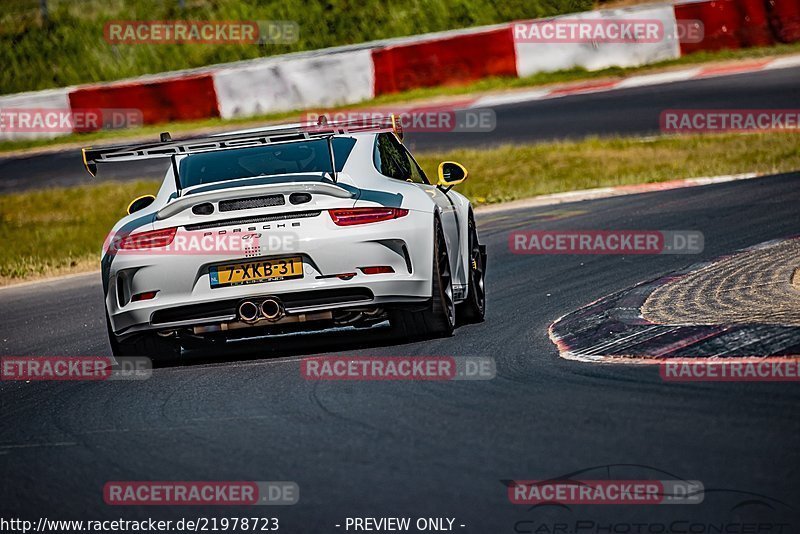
(140, 203)
(451, 174)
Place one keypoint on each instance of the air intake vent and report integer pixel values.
(253, 202)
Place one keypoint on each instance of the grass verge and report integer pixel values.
(519, 171)
(60, 231)
(486, 85)
(68, 47)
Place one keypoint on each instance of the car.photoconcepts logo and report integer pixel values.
(590, 500)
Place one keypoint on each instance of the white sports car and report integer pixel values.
(297, 227)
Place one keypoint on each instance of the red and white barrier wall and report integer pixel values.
(160, 100)
(275, 84)
(55, 99)
(741, 23)
(348, 75)
(550, 57)
(454, 59)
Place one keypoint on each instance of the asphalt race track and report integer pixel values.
(633, 111)
(432, 449)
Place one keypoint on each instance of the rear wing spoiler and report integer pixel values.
(167, 147)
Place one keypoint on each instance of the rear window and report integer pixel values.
(288, 158)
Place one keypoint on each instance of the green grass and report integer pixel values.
(69, 47)
(485, 85)
(60, 231)
(513, 172)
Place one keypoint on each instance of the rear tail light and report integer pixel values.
(378, 269)
(353, 216)
(146, 240)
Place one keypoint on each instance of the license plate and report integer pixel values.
(256, 272)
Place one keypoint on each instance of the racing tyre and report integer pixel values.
(473, 309)
(438, 318)
(157, 348)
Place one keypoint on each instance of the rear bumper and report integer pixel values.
(185, 298)
(214, 312)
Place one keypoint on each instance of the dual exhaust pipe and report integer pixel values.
(270, 309)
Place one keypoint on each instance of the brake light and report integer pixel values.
(148, 295)
(353, 216)
(151, 239)
(378, 269)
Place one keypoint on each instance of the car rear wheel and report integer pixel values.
(473, 309)
(438, 318)
(158, 348)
